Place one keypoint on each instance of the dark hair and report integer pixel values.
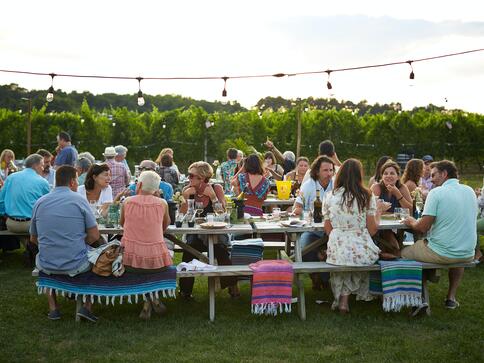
(270, 155)
(44, 153)
(64, 175)
(240, 165)
(448, 166)
(314, 173)
(232, 153)
(379, 164)
(166, 160)
(93, 171)
(64, 136)
(389, 164)
(350, 178)
(413, 171)
(326, 147)
(253, 165)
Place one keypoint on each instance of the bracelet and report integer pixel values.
(399, 199)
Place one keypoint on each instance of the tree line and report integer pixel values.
(454, 134)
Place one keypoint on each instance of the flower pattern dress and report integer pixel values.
(349, 244)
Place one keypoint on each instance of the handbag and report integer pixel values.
(110, 262)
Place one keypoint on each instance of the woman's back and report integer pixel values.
(143, 233)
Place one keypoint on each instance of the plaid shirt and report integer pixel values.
(119, 176)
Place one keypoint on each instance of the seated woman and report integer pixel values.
(273, 170)
(199, 189)
(96, 188)
(144, 218)
(7, 166)
(377, 176)
(297, 175)
(251, 181)
(412, 174)
(391, 190)
(350, 218)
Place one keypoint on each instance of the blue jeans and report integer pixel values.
(306, 239)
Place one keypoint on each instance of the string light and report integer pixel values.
(141, 100)
(328, 83)
(412, 75)
(224, 92)
(50, 92)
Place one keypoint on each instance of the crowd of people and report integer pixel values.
(70, 186)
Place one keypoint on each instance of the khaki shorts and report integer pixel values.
(419, 251)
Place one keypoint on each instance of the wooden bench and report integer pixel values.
(299, 269)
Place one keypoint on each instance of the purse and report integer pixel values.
(110, 262)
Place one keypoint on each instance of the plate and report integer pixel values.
(213, 225)
(388, 217)
(293, 223)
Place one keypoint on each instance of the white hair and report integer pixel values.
(289, 155)
(150, 181)
(240, 153)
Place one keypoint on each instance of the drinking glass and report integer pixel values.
(398, 212)
(199, 208)
(218, 208)
(404, 213)
(276, 213)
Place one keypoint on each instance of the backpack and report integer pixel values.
(168, 175)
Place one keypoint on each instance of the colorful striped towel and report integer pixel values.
(400, 282)
(247, 251)
(271, 287)
(91, 286)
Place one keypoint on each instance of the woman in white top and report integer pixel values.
(96, 188)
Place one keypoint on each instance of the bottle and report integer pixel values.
(318, 209)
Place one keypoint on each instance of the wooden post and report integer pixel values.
(298, 140)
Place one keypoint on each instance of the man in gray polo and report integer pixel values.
(62, 226)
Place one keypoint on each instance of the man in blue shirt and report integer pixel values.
(62, 226)
(449, 220)
(165, 188)
(68, 153)
(20, 192)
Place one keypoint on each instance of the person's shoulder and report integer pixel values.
(165, 184)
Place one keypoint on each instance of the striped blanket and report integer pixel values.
(247, 251)
(91, 286)
(271, 287)
(400, 282)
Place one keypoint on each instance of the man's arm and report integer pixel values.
(92, 235)
(270, 145)
(422, 225)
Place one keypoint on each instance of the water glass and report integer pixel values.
(404, 213)
(210, 217)
(276, 213)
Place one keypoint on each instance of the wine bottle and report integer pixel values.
(318, 208)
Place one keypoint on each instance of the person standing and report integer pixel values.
(67, 154)
(449, 220)
(121, 152)
(119, 175)
(228, 169)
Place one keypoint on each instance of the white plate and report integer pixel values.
(293, 223)
(213, 225)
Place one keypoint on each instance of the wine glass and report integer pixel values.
(199, 208)
(218, 209)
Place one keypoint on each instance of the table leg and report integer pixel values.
(301, 300)
(78, 307)
(211, 280)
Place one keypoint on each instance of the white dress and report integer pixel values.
(349, 244)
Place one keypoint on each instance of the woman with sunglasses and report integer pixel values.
(201, 191)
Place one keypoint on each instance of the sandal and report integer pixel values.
(145, 313)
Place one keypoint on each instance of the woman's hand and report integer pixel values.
(382, 206)
(209, 192)
(126, 192)
(394, 190)
(189, 191)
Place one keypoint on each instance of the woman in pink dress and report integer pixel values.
(144, 217)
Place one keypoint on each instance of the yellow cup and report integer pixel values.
(283, 189)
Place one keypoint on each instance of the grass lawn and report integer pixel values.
(186, 335)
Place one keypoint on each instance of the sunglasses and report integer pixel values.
(191, 176)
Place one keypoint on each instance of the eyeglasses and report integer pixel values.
(191, 176)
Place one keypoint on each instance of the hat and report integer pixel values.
(109, 152)
(427, 158)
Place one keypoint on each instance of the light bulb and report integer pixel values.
(141, 100)
(50, 94)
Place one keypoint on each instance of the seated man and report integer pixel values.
(449, 217)
(62, 226)
(21, 191)
(166, 190)
(321, 179)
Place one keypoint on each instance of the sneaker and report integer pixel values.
(451, 304)
(86, 314)
(420, 310)
(54, 315)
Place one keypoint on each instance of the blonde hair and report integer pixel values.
(163, 151)
(150, 181)
(6, 152)
(203, 169)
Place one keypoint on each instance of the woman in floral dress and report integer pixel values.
(350, 219)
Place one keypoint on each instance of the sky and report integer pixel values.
(226, 38)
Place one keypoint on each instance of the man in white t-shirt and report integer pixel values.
(321, 178)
